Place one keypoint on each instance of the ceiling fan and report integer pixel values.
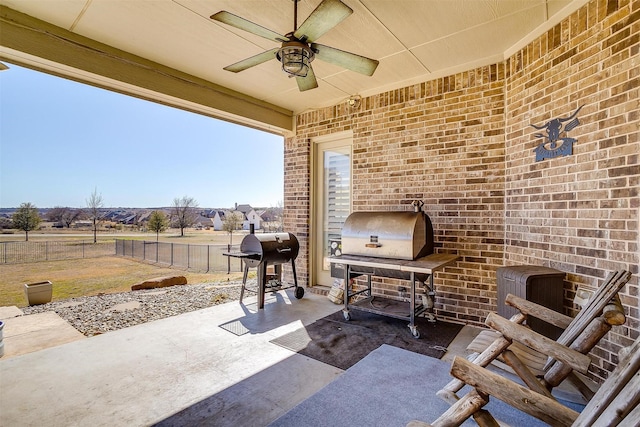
(297, 48)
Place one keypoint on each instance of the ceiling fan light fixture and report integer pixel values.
(295, 58)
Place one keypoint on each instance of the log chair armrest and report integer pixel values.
(537, 405)
(538, 311)
(538, 342)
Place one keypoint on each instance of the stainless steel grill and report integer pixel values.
(390, 244)
(397, 235)
(406, 235)
(266, 250)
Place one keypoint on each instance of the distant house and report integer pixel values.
(83, 224)
(143, 218)
(245, 209)
(218, 220)
(203, 222)
(209, 213)
(252, 217)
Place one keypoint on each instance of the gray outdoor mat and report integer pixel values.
(343, 343)
(389, 388)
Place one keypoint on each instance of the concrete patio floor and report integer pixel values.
(144, 374)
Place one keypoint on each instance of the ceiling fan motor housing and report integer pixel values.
(295, 57)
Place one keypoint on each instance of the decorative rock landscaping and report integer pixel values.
(109, 312)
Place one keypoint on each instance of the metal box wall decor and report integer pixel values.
(553, 145)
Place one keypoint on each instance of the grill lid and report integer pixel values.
(271, 247)
(398, 235)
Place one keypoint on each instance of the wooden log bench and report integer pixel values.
(515, 343)
(616, 403)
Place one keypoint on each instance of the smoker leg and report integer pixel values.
(262, 283)
(431, 317)
(299, 290)
(245, 272)
(412, 307)
(345, 310)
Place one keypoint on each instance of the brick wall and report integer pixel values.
(464, 145)
(578, 214)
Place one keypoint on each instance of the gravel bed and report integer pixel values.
(102, 313)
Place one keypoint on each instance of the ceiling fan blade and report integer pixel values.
(241, 23)
(326, 16)
(308, 82)
(350, 61)
(252, 61)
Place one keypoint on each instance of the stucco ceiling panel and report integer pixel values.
(555, 6)
(401, 67)
(415, 22)
(477, 43)
(64, 14)
(316, 96)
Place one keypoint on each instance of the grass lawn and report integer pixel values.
(89, 276)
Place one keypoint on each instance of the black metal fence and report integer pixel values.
(196, 257)
(23, 252)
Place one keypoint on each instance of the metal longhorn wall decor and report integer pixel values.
(553, 145)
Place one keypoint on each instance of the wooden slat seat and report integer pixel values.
(533, 359)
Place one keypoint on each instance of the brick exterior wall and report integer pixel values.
(464, 145)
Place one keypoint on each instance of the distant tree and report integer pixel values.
(64, 215)
(231, 222)
(158, 222)
(184, 212)
(274, 215)
(5, 223)
(94, 204)
(26, 218)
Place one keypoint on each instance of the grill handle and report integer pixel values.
(282, 250)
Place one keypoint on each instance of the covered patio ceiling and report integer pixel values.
(171, 52)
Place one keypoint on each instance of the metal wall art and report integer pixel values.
(553, 145)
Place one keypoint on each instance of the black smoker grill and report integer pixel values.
(390, 244)
(266, 250)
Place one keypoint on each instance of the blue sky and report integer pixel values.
(60, 140)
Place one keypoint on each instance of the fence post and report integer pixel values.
(228, 259)
(83, 249)
(157, 244)
(188, 256)
(144, 250)
(208, 257)
(171, 253)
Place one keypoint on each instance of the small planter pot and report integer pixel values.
(38, 293)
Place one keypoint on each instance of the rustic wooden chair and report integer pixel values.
(616, 403)
(515, 343)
